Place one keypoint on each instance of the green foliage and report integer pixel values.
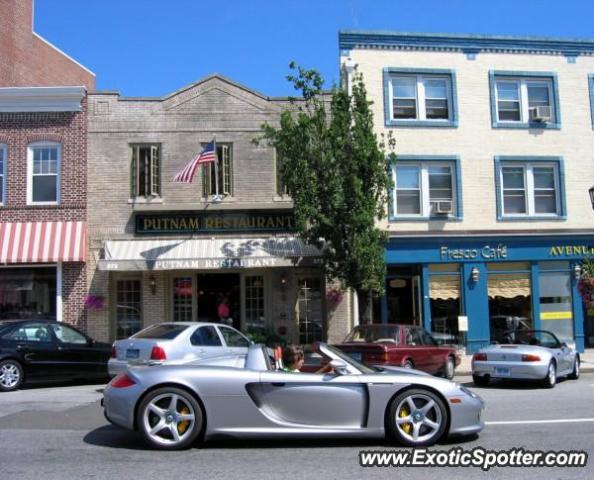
(336, 172)
(266, 336)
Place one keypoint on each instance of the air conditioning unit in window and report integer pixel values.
(540, 114)
(442, 207)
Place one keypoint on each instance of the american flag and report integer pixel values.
(207, 155)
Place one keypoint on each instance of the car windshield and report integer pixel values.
(164, 331)
(333, 353)
(540, 338)
(374, 333)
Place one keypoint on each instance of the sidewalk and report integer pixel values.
(587, 363)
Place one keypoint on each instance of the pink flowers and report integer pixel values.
(94, 302)
(586, 289)
(334, 296)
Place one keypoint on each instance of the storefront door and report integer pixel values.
(403, 296)
(310, 312)
(214, 288)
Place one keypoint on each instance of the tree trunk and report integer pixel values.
(365, 307)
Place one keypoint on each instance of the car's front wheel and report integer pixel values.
(170, 418)
(417, 417)
(551, 379)
(11, 375)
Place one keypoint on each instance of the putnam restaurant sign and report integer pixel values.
(215, 222)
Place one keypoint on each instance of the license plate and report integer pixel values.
(355, 356)
(502, 372)
(132, 353)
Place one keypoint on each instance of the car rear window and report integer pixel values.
(166, 331)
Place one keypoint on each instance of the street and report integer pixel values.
(60, 432)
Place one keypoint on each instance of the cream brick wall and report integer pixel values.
(477, 143)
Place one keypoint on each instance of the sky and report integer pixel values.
(150, 48)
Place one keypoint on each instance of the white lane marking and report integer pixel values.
(526, 422)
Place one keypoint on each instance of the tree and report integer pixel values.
(334, 169)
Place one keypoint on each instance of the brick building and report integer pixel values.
(162, 251)
(43, 151)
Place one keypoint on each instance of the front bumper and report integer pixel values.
(511, 370)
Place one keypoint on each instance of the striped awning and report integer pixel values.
(207, 254)
(43, 242)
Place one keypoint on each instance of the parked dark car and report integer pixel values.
(38, 350)
(398, 345)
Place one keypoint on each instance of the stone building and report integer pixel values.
(163, 251)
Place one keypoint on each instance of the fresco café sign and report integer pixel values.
(215, 222)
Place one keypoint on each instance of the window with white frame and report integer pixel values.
(424, 189)
(182, 299)
(224, 168)
(2, 172)
(529, 189)
(145, 171)
(420, 97)
(43, 180)
(524, 100)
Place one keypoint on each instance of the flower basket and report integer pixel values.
(94, 302)
(334, 296)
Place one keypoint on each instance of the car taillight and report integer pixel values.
(530, 358)
(122, 381)
(157, 353)
(479, 357)
(113, 352)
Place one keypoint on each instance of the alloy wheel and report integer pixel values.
(169, 419)
(10, 375)
(418, 418)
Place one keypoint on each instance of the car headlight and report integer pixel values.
(468, 392)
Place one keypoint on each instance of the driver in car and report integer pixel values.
(293, 359)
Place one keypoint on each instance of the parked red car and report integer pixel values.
(400, 345)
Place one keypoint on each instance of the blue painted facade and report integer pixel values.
(476, 252)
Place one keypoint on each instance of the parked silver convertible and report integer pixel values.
(173, 405)
(527, 355)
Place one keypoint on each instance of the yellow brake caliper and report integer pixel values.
(183, 426)
(407, 427)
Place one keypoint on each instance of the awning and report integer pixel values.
(207, 254)
(43, 242)
(508, 285)
(444, 287)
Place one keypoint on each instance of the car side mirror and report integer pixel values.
(339, 366)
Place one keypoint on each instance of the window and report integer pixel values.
(31, 332)
(2, 172)
(163, 331)
(145, 171)
(128, 307)
(66, 334)
(205, 337)
(424, 97)
(224, 168)
(426, 188)
(182, 299)
(529, 188)
(44, 160)
(524, 100)
(233, 338)
(254, 301)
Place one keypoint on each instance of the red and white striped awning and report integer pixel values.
(42, 242)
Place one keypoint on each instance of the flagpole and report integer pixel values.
(216, 197)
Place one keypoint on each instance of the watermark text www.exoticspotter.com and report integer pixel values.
(477, 457)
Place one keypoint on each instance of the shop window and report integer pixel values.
(529, 188)
(426, 189)
(254, 301)
(224, 169)
(128, 307)
(310, 312)
(43, 179)
(3, 161)
(182, 299)
(444, 294)
(145, 171)
(423, 97)
(556, 312)
(524, 100)
(28, 293)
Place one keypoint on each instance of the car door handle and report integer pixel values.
(278, 384)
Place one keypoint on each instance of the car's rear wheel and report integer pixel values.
(408, 364)
(449, 368)
(575, 374)
(417, 417)
(170, 418)
(481, 380)
(11, 375)
(551, 379)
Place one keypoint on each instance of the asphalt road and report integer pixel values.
(59, 432)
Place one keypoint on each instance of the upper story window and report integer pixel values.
(3, 160)
(145, 171)
(43, 179)
(421, 97)
(529, 187)
(426, 188)
(224, 169)
(524, 100)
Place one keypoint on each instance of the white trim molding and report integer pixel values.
(41, 99)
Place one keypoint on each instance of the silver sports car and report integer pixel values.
(173, 405)
(527, 355)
